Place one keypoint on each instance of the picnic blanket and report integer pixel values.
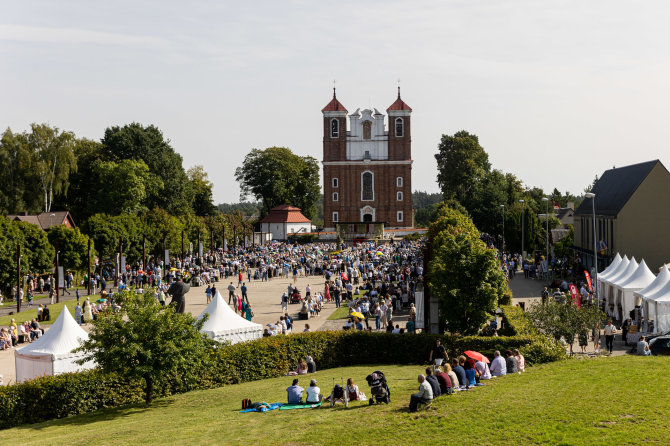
(299, 406)
(263, 408)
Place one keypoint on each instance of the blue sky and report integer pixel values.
(557, 91)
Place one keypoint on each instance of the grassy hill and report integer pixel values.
(599, 401)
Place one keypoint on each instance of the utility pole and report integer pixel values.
(198, 249)
(57, 277)
(88, 285)
(121, 256)
(182, 246)
(18, 277)
(144, 253)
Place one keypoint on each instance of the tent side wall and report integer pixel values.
(68, 365)
(29, 367)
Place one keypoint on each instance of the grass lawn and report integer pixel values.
(340, 313)
(54, 311)
(598, 401)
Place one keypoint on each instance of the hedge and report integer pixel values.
(76, 393)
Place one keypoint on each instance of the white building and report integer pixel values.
(285, 221)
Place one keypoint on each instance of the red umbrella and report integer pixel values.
(476, 356)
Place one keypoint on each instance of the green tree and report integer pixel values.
(149, 342)
(15, 163)
(124, 186)
(53, 155)
(136, 142)
(461, 163)
(464, 274)
(203, 203)
(72, 245)
(85, 185)
(277, 176)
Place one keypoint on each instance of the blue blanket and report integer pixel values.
(263, 409)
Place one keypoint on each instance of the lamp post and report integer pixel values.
(18, 277)
(523, 229)
(503, 231)
(546, 201)
(592, 196)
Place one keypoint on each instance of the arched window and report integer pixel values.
(367, 130)
(336, 217)
(334, 128)
(399, 127)
(399, 196)
(336, 182)
(367, 186)
(336, 196)
(398, 181)
(399, 216)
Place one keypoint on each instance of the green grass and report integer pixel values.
(594, 401)
(339, 313)
(54, 311)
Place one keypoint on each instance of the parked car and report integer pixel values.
(660, 345)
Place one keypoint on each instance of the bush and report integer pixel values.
(305, 238)
(542, 349)
(76, 393)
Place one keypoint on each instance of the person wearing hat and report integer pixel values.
(313, 393)
(294, 393)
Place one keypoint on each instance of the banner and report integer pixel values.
(123, 265)
(246, 241)
(420, 313)
(575, 295)
(167, 257)
(61, 277)
(588, 280)
(225, 245)
(200, 249)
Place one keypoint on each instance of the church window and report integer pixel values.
(399, 127)
(336, 182)
(399, 196)
(367, 130)
(398, 182)
(399, 216)
(368, 186)
(334, 128)
(336, 217)
(336, 196)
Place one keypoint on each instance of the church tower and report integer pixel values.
(367, 169)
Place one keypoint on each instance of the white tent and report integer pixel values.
(226, 325)
(614, 300)
(605, 281)
(654, 290)
(662, 304)
(623, 291)
(610, 268)
(51, 354)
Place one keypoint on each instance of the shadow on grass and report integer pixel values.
(110, 414)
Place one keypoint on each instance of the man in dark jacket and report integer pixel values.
(177, 290)
(434, 384)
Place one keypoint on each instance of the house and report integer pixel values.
(631, 216)
(285, 221)
(46, 219)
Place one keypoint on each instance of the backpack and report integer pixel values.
(246, 403)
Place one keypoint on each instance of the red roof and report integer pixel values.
(334, 105)
(399, 104)
(285, 214)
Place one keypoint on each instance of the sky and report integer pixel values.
(557, 91)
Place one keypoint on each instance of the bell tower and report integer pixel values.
(334, 130)
(400, 130)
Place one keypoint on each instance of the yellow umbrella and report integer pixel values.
(357, 314)
(174, 269)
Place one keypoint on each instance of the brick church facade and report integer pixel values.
(367, 170)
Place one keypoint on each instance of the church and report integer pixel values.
(367, 170)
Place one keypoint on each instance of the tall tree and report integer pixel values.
(277, 176)
(84, 184)
(72, 245)
(14, 171)
(123, 186)
(136, 142)
(461, 163)
(54, 160)
(203, 203)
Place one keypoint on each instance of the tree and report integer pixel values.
(14, 172)
(54, 159)
(464, 274)
(72, 245)
(203, 203)
(85, 185)
(461, 163)
(136, 142)
(127, 185)
(276, 176)
(150, 342)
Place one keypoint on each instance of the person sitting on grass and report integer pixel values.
(434, 383)
(511, 363)
(452, 375)
(302, 367)
(294, 393)
(643, 347)
(424, 395)
(470, 374)
(313, 393)
(498, 366)
(353, 392)
(460, 373)
(311, 365)
(446, 387)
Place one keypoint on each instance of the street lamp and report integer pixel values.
(523, 228)
(503, 231)
(592, 196)
(546, 201)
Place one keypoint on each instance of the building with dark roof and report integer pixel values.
(46, 219)
(632, 216)
(284, 221)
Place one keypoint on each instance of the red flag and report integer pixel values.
(575, 295)
(588, 280)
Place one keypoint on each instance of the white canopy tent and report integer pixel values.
(51, 354)
(605, 283)
(651, 292)
(623, 291)
(226, 325)
(615, 304)
(608, 271)
(662, 304)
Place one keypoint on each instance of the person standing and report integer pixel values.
(208, 293)
(609, 330)
(249, 313)
(438, 353)
(231, 292)
(243, 288)
(78, 313)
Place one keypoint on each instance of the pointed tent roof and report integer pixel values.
(334, 105)
(620, 268)
(654, 287)
(64, 336)
(641, 278)
(662, 294)
(399, 104)
(224, 324)
(612, 266)
(625, 274)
